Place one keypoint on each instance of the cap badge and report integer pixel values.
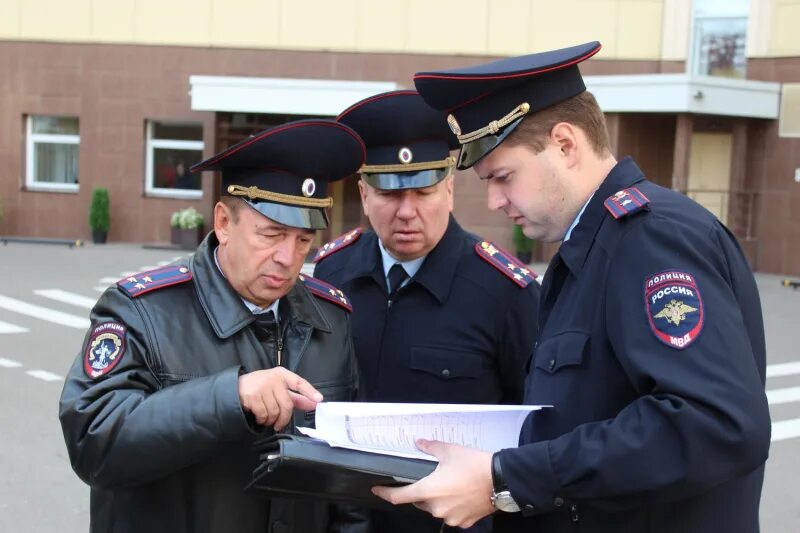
(405, 155)
(453, 123)
(309, 186)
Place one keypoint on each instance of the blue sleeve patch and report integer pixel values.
(326, 291)
(339, 243)
(105, 349)
(626, 202)
(506, 263)
(674, 308)
(151, 280)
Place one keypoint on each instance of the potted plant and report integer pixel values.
(523, 246)
(99, 215)
(187, 228)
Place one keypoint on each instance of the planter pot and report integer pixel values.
(174, 235)
(99, 236)
(188, 239)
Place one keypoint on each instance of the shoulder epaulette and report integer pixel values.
(151, 280)
(626, 202)
(326, 291)
(340, 242)
(506, 263)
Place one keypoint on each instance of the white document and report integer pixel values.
(393, 428)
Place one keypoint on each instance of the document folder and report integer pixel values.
(293, 466)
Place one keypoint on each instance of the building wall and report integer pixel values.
(629, 29)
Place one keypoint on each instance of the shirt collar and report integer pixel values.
(255, 309)
(581, 237)
(411, 267)
(577, 219)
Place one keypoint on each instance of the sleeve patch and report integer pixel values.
(626, 202)
(674, 308)
(105, 349)
(326, 291)
(339, 243)
(151, 280)
(506, 263)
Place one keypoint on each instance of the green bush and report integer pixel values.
(521, 242)
(187, 218)
(99, 214)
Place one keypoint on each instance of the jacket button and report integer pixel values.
(559, 501)
(552, 364)
(446, 373)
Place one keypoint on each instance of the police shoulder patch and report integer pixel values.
(340, 242)
(506, 263)
(151, 280)
(326, 291)
(626, 202)
(674, 308)
(104, 349)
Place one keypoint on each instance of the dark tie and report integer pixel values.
(397, 274)
(265, 325)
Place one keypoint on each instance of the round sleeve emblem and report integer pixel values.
(674, 308)
(309, 187)
(105, 349)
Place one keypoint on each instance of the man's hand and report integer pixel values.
(272, 395)
(458, 491)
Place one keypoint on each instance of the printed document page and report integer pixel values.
(393, 429)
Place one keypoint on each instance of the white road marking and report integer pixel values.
(783, 369)
(44, 375)
(110, 281)
(8, 363)
(66, 297)
(43, 313)
(145, 268)
(101, 289)
(163, 263)
(787, 395)
(128, 273)
(786, 429)
(5, 327)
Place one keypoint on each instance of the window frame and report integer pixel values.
(152, 144)
(31, 139)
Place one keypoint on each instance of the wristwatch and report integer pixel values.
(501, 496)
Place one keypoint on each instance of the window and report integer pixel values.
(172, 149)
(720, 33)
(51, 153)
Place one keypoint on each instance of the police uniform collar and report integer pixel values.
(574, 251)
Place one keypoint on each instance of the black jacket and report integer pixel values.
(159, 433)
(652, 353)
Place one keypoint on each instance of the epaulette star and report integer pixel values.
(506, 263)
(326, 291)
(337, 244)
(151, 280)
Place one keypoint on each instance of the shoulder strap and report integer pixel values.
(151, 280)
(506, 263)
(626, 202)
(326, 291)
(339, 243)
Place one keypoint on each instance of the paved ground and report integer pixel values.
(45, 296)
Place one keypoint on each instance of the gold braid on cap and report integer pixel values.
(495, 125)
(254, 193)
(408, 167)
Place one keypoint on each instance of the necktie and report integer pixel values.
(397, 274)
(265, 324)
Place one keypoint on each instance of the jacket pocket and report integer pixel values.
(447, 364)
(562, 350)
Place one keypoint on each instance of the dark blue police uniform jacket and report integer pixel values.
(458, 332)
(651, 431)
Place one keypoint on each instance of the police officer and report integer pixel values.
(186, 365)
(440, 315)
(651, 345)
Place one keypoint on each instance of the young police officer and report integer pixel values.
(439, 315)
(651, 344)
(185, 366)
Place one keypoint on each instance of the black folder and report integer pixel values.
(293, 466)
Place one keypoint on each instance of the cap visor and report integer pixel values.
(474, 151)
(296, 217)
(406, 180)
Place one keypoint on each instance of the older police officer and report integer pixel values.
(439, 315)
(185, 366)
(651, 344)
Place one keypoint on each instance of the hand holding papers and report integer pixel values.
(374, 444)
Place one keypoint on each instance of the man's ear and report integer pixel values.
(222, 222)
(363, 191)
(565, 137)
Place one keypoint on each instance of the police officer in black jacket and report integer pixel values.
(651, 345)
(439, 315)
(185, 366)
